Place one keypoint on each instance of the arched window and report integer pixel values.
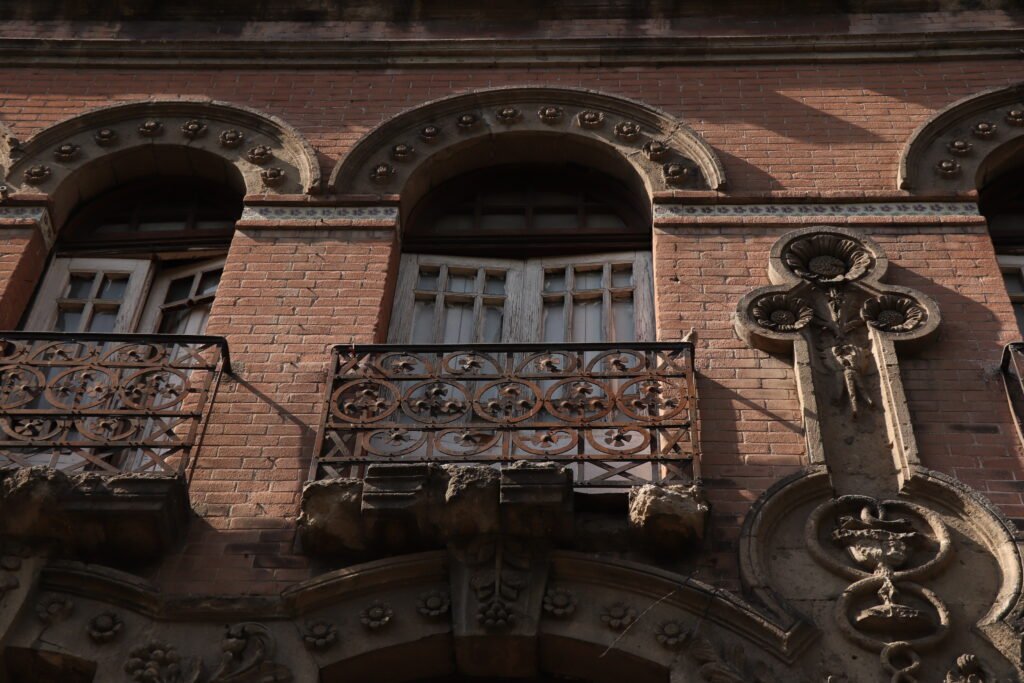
(525, 253)
(1002, 204)
(145, 257)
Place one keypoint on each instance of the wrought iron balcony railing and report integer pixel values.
(618, 414)
(1013, 381)
(105, 403)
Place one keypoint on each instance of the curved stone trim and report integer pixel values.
(271, 155)
(944, 154)
(384, 159)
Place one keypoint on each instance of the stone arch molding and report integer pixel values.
(664, 152)
(950, 152)
(271, 156)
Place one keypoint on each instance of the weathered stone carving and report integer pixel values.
(247, 653)
(381, 173)
(273, 176)
(402, 152)
(430, 133)
(968, 669)
(656, 150)
(559, 603)
(668, 516)
(499, 568)
(676, 173)
(826, 259)
(627, 130)
(105, 137)
(320, 635)
(984, 129)
(150, 128)
(618, 616)
(36, 175)
(959, 147)
(193, 128)
(66, 152)
(160, 662)
(376, 615)
(467, 121)
(433, 604)
(892, 545)
(948, 168)
(508, 115)
(104, 627)
(550, 114)
(893, 313)
(231, 138)
(782, 313)
(52, 609)
(671, 634)
(260, 154)
(590, 119)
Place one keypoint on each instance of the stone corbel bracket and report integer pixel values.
(827, 291)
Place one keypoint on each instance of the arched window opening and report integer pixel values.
(574, 266)
(145, 257)
(1002, 204)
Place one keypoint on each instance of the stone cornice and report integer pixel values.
(462, 53)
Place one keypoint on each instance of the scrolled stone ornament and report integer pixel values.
(231, 138)
(968, 669)
(402, 152)
(590, 119)
(550, 114)
(984, 129)
(1015, 117)
(559, 603)
(105, 137)
(193, 129)
(671, 635)
(319, 635)
(676, 173)
(827, 259)
(260, 154)
(37, 175)
(627, 130)
(948, 168)
(433, 604)
(508, 115)
(66, 152)
(959, 147)
(104, 627)
(150, 128)
(656, 150)
(376, 616)
(272, 177)
(381, 173)
(781, 313)
(892, 313)
(54, 608)
(467, 121)
(430, 133)
(618, 616)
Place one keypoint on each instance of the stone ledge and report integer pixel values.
(403, 506)
(120, 520)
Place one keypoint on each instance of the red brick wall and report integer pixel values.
(287, 294)
(22, 257)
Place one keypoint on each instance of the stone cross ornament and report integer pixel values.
(843, 325)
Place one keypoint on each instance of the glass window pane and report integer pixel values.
(113, 286)
(554, 321)
(554, 280)
(587, 321)
(458, 322)
(173, 320)
(492, 324)
(555, 221)
(1013, 282)
(103, 319)
(423, 321)
(495, 283)
(625, 322)
(605, 221)
(208, 282)
(214, 225)
(454, 222)
(503, 221)
(427, 280)
(588, 278)
(179, 289)
(80, 285)
(68, 319)
(622, 276)
(461, 281)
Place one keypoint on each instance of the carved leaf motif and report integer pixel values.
(720, 673)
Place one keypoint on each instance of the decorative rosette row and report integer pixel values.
(675, 172)
(193, 129)
(983, 131)
(888, 312)
(322, 634)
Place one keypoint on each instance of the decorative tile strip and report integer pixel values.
(822, 210)
(38, 214)
(319, 213)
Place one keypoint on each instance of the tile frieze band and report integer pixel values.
(319, 213)
(822, 210)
